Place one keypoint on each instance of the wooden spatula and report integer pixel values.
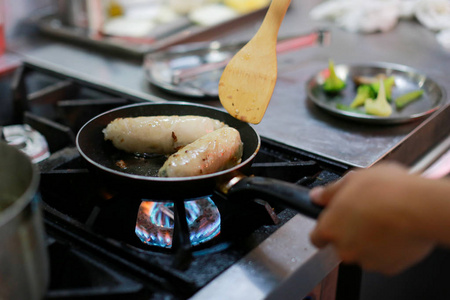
(248, 80)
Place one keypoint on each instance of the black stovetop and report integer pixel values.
(94, 252)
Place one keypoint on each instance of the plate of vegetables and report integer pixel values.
(381, 93)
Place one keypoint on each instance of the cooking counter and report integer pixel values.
(290, 118)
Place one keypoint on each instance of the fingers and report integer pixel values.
(322, 235)
(318, 239)
(316, 195)
(322, 195)
(359, 221)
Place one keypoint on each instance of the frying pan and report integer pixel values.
(140, 179)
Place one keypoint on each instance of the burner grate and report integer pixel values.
(99, 280)
(89, 226)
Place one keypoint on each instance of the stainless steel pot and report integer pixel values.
(24, 269)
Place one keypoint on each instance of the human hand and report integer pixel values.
(369, 217)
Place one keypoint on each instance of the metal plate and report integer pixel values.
(162, 68)
(194, 69)
(406, 80)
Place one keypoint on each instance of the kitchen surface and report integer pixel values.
(272, 258)
(302, 125)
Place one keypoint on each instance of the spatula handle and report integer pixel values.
(274, 16)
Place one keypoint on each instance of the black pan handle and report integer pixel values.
(269, 189)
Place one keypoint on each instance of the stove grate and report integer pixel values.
(89, 226)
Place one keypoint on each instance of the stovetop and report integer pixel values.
(94, 251)
(276, 258)
(86, 226)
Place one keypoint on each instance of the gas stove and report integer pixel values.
(106, 245)
(92, 221)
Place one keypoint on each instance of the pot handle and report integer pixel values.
(269, 189)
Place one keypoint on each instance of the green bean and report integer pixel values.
(407, 98)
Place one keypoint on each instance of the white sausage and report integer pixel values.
(216, 151)
(158, 134)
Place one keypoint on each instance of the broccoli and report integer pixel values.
(333, 84)
(362, 93)
(379, 106)
(388, 84)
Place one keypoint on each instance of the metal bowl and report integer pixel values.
(406, 79)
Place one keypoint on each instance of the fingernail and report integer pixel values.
(316, 194)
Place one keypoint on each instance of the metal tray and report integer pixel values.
(406, 79)
(163, 68)
(195, 69)
(181, 31)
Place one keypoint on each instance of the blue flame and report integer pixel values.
(154, 225)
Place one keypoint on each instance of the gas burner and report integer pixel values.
(155, 222)
(159, 250)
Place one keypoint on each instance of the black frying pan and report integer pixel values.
(140, 176)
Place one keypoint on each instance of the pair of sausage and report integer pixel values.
(197, 145)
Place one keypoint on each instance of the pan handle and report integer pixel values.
(269, 189)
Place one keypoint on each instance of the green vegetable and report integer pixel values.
(407, 98)
(379, 106)
(348, 108)
(333, 83)
(388, 84)
(362, 93)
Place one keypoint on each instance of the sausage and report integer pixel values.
(158, 134)
(216, 151)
